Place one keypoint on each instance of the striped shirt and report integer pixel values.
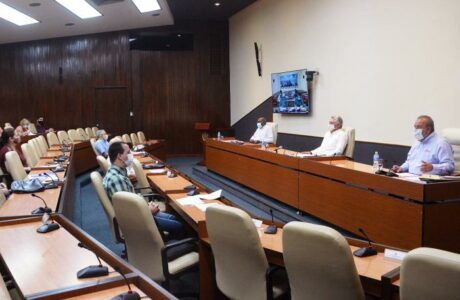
(116, 180)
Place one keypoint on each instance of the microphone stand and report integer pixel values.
(41, 210)
(365, 251)
(93, 270)
(129, 295)
(272, 228)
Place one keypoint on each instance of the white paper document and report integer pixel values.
(204, 206)
(213, 196)
(191, 200)
(157, 171)
(303, 155)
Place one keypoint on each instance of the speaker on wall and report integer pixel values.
(169, 42)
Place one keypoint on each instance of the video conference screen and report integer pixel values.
(290, 92)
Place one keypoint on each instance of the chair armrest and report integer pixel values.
(269, 280)
(142, 188)
(164, 251)
(153, 196)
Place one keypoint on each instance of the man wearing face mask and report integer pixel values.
(102, 145)
(263, 134)
(334, 141)
(40, 125)
(430, 154)
(116, 180)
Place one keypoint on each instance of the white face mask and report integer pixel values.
(331, 127)
(259, 125)
(105, 137)
(418, 134)
(129, 160)
(26, 126)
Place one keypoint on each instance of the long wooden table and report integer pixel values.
(372, 270)
(44, 266)
(396, 212)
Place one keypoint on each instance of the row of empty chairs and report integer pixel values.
(133, 138)
(318, 262)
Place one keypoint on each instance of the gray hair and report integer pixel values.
(99, 133)
(338, 119)
(429, 121)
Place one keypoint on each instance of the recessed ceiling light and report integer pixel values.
(35, 4)
(146, 5)
(14, 16)
(179, 35)
(81, 8)
(69, 24)
(216, 3)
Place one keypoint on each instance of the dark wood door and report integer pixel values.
(113, 110)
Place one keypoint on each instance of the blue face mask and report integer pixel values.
(418, 134)
(259, 125)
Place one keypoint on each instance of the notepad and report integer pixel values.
(204, 206)
(213, 196)
(191, 200)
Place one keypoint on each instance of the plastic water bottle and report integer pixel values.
(219, 136)
(376, 158)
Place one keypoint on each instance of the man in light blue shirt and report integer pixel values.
(101, 145)
(431, 154)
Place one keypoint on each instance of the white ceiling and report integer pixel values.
(53, 17)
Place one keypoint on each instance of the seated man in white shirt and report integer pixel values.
(334, 141)
(263, 134)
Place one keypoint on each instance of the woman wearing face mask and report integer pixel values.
(23, 128)
(9, 141)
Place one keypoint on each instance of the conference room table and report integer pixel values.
(44, 266)
(403, 213)
(372, 270)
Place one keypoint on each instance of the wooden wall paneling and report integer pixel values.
(441, 227)
(169, 90)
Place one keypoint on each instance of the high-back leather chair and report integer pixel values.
(32, 128)
(143, 241)
(240, 261)
(274, 127)
(63, 137)
(428, 273)
(141, 137)
(319, 263)
(35, 148)
(94, 130)
(82, 134)
(43, 143)
(452, 135)
(14, 166)
(40, 149)
(134, 139)
(126, 139)
(103, 163)
(52, 139)
(93, 145)
(350, 148)
(89, 132)
(96, 179)
(74, 135)
(29, 153)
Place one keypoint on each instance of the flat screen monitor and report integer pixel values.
(290, 93)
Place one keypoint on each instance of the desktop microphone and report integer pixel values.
(129, 295)
(93, 270)
(41, 210)
(45, 228)
(365, 251)
(272, 228)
